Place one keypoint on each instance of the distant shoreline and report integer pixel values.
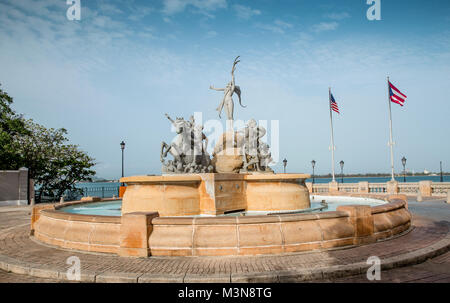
(378, 176)
(323, 177)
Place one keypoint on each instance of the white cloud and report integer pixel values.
(245, 12)
(325, 26)
(172, 7)
(109, 8)
(282, 24)
(139, 12)
(338, 16)
(211, 34)
(277, 27)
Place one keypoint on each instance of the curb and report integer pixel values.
(293, 275)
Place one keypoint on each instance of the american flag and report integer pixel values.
(333, 104)
(395, 95)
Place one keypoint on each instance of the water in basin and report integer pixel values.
(114, 208)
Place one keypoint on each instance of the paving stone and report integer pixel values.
(161, 278)
(208, 278)
(255, 278)
(117, 277)
(20, 254)
(44, 273)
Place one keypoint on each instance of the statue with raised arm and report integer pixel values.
(231, 88)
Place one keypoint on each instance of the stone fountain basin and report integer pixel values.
(143, 234)
(214, 194)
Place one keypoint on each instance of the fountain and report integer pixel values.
(238, 178)
(229, 204)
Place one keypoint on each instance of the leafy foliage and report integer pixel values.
(54, 165)
(11, 125)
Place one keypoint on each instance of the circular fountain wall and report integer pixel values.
(146, 233)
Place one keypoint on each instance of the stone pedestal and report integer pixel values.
(228, 161)
(227, 155)
(333, 187)
(392, 187)
(425, 188)
(363, 222)
(135, 229)
(363, 187)
(214, 194)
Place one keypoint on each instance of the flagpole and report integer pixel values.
(391, 143)
(332, 138)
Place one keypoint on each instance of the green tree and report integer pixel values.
(11, 124)
(54, 164)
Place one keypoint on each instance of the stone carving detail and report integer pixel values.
(236, 151)
(188, 149)
(243, 151)
(256, 153)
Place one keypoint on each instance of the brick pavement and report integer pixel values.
(435, 270)
(27, 256)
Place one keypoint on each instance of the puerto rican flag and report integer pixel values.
(395, 95)
(333, 104)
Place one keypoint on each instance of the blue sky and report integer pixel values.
(112, 75)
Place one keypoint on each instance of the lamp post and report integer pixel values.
(342, 171)
(122, 147)
(404, 170)
(440, 163)
(284, 164)
(313, 163)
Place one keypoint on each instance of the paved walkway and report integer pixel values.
(436, 270)
(40, 263)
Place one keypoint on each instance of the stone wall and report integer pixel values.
(422, 188)
(142, 234)
(14, 187)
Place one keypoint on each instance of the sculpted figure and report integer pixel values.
(256, 154)
(181, 144)
(228, 91)
(265, 157)
(188, 148)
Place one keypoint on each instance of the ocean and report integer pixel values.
(381, 179)
(111, 188)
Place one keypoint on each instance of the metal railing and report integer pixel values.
(101, 191)
(98, 191)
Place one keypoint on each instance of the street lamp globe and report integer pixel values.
(122, 145)
(404, 170)
(341, 164)
(313, 163)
